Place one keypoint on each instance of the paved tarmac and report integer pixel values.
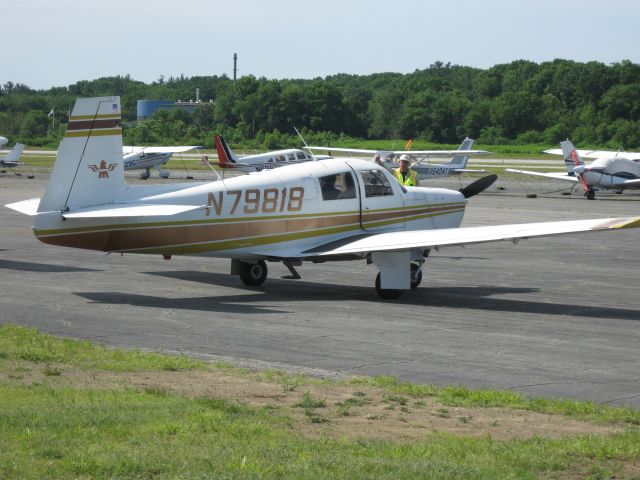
(556, 317)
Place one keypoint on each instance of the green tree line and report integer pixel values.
(521, 102)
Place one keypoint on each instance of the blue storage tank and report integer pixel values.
(145, 108)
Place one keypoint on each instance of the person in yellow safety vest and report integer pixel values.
(404, 175)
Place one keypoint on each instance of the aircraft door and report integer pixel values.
(381, 202)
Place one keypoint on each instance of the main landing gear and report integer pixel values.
(590, 194)
(416, 280)
(253, 274)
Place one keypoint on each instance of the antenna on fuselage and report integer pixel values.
(305, 144)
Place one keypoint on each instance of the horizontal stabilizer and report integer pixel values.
(28, 207)
(449, 237)
(113, 210)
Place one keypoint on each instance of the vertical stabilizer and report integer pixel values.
(88, 169)
(226, 157)
(14, 155)
(571, 157)
(460, 161)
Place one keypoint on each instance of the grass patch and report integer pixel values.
(460, 396)
(18, 343)
(310, 403)
(54, 428)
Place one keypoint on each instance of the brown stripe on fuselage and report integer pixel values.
(93, 124)
(123, 239)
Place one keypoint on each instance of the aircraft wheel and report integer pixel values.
(416, 275)
(163, 174)
(386, 293)
(253, 274)
(591, 195)
(143, 175)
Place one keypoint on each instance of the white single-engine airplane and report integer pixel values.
(262, 161)
(12, 158)
(611, 170)
(421, 159)
(337, 209)
(146, 158)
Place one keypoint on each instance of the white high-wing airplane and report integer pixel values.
(611, 170)
(146, 158)
(12, 158)
(422, 159)
(336, 209)
(261, 161)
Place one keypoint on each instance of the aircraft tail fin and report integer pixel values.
(571, 156)
(14, 155)
(88, 170)
(226, 158)
(460, 161)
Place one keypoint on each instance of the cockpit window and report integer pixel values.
(338, 186)
(375, 183)
(301, 156)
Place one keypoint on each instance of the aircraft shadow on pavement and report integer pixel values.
(41, 267)
(222, 304)
(474, 298)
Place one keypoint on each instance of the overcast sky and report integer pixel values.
(56, 43)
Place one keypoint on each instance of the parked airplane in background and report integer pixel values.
(336, 209)
(12, 158)
(421, 158)
(3, 141)
(262, 161)
(611, 170)
(146, 158)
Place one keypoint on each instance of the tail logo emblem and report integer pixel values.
(103, 169)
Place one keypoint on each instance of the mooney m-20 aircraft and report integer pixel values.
(611, 170)
(421, 159)
(336, 209)
(12, 158)
(146, 158)
(262, 161)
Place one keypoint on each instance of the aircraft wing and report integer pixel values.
(171, 149)
(450, 237)
(632, 183)
(180, 149)
(411, 153)
(468, 170)
(556, 175)
(597, 153)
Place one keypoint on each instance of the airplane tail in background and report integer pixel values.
(88, 170)
(14, 155)
(460, 161)
(571, 157)
(226, 158)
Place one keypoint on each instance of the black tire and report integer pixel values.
(591, 195)
(253, 274)
(416, 278)
(386, 293)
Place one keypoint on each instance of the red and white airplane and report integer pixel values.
(609, 171)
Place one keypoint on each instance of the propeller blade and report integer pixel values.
(478, 186)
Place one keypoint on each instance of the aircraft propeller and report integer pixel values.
(478, 186)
